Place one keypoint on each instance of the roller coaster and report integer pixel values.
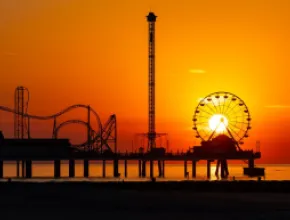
(101, 139)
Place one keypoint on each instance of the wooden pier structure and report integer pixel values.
(123, 158)
(29, 150)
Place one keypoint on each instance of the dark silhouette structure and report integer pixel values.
(228, 127)
(222, 120)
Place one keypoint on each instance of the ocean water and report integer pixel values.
(45, 171)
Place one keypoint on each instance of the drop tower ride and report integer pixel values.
(151, 18)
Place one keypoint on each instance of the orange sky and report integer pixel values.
(95, 52)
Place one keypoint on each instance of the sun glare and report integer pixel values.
(218, 123)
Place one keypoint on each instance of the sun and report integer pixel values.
(218, 123)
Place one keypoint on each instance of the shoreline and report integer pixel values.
(225, 186)
(147, 200)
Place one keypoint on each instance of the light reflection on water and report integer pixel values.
(45, 172)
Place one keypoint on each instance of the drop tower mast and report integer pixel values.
(151, 18)
(151, 135)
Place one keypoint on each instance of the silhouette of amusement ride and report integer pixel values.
(222, 121)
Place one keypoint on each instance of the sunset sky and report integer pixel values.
(95, 52)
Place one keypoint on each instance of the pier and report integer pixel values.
(57, 153)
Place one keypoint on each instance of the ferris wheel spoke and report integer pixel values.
(224, 105)
(200, 109)
(200, 123)
(211, 109)
(240, 122)
(234, 117)
(230, 109)
(214, 106)
(202, 117)
(228, 106)
(219, 105)
(241, 129)
(229, 127)
(203, 134)
(239, 111)
(239, 132)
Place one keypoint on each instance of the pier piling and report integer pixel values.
(23, 168)
(143, 167)
(86, 168)
(185, 169)
(160, 168)
(71, 168)
(125, 168)
(18, 168)
(193, 170)
(57, 169)
(104, 168)
(1, 169)
(28, 169)
(251, 163)
(208, 169)
(151, 168)
(163, 168)
(116, 168)
(139, 168)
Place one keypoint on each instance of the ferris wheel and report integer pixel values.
(222, 113)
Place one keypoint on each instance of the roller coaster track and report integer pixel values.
(6, 109)
(98, 139)
(93, 134)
